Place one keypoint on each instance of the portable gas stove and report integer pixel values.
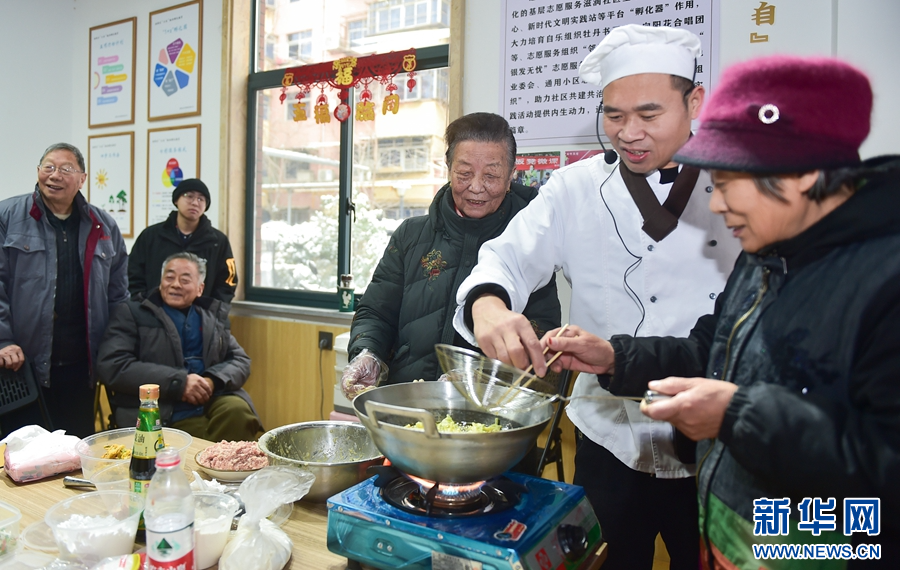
(514, 522)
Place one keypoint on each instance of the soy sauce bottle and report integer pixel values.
(148, 439)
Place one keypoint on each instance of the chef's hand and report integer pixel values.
(697, 407)
(581, 351)
(197, 390)
(11, 356)
(365, 371)
(505, 335)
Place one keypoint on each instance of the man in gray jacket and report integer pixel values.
(183, 342)
(63, 266)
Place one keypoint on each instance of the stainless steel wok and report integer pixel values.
(445, 457)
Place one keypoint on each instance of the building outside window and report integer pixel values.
(356, 31)
(302, 175)
(300, 46)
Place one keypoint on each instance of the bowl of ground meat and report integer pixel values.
(231, 460)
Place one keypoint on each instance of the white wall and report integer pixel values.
(48, 101)
(867, 36)
(35, 101)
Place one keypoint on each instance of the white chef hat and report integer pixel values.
(632, 49)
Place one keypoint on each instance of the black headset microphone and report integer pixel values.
(609, 156)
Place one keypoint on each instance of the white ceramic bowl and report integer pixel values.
(90, 449)
(93, 526)
(224, 475)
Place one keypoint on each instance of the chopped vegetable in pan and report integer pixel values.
(448, 425)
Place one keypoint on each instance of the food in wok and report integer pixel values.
(449, 425)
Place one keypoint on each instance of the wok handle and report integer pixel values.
(417, 414)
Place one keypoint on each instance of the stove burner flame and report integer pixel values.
(449, 494)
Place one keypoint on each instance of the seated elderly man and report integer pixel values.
(183, 342)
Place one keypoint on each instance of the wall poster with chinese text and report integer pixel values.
(544, 42)
(111, 177)
(534, 169)
(173, 154)
(112, 63)
(175, 37)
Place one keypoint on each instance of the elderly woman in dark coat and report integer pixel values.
(408, 307)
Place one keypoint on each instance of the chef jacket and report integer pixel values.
(585, 222)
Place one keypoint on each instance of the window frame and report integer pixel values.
(430, 57)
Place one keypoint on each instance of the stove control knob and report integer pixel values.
(572, 541)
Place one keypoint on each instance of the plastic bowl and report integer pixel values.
(93, 526)
(9, 529)
(337, 453)
(213, 513)
(90, 449)
(116, 477)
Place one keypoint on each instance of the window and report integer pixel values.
(356, 30)
(271, 40)
(430, 84)
(392, 15)
(300, 46)
(302, 176)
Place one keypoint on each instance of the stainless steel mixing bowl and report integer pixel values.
(337, 453)
(446, 457)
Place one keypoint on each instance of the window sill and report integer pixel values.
(290, 312)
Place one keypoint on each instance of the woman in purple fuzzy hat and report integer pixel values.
(792, 386)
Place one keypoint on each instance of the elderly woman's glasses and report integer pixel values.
(49, 169)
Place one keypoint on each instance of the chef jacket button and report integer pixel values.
(804, 390)
(650, 247)
(712, 295)
(713, 243)
(653, 299)
(709, 189)
(468, 263)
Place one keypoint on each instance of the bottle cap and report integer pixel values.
(167, 457)
(148, 391)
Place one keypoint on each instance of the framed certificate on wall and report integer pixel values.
(111, 177)
(176, 35)
(112, 63)
(173, 154)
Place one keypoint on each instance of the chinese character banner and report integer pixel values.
(111, 91)
(173, 154)
(110, 183)
(544, 42)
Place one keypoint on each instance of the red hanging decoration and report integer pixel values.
(342, 111)
(365, 109)
(322, 114)
(341, 74)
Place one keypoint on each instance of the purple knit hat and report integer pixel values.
(783, 114)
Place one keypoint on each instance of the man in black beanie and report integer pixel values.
(186, 229)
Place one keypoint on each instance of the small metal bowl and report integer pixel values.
(337, 453)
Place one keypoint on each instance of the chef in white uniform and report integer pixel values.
(644, 256)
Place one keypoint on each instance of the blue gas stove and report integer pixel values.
(516, 522)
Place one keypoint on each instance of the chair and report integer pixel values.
(18, 389)
(552, 451)
(98, 407)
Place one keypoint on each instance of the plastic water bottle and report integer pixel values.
(169, 515)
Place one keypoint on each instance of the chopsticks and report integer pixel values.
(525, 373)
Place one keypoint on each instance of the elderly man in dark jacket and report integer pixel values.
(408, 307)
(183, 342)
(62, 270)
